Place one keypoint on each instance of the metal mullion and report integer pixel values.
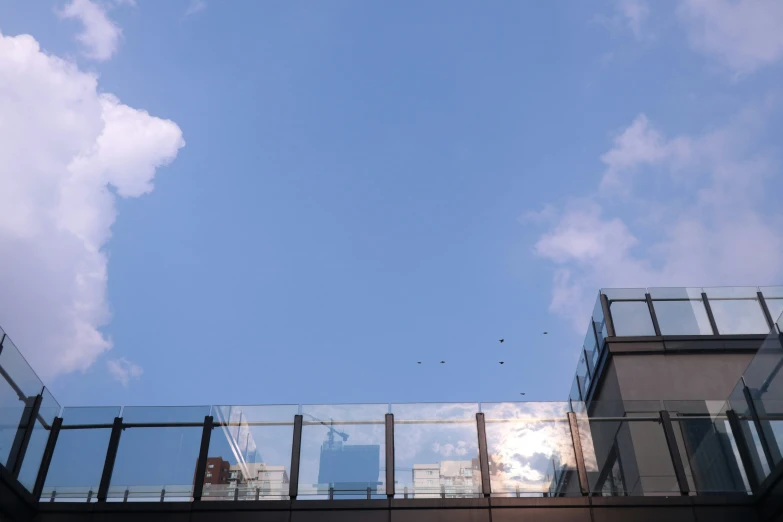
(390, 484)
(765, 309)
(584, 486)
(760, 431)
(296, 449)
(744, 449)
(486, 487)
(674, 452)
(111, 457)
(653, 315)
(46, 460)
(608, 321)
(710, 316)
(22, 438)
(203, 455)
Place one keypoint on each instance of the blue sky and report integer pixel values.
(319, 195)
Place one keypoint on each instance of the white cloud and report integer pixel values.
(123, 370)
(195, 6)
(63, 148)
(743, 34)
(99, 35)
(702, 233)
(634, 13)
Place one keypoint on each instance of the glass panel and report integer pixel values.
(583, 375)
(674, 293)
(590, 349)
(731, 292)
(624, 293)
(775, 307)
(598, 320)
(77, 463)
(436, 450)
(707, 447)
(15, 365)
(343, 449)
(250, 453)
(770, 413)
(626, 451)
(40, 436)
(155, 461)
(682, 317)
(530, 449)
(772, 292)
(739, 317)
(631, 318)
(575, 394)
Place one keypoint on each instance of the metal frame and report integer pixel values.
(390, 482)
(711, 317)
(296, 449)
(674, 452)
(653, 315)
(486, 487)
(23, 434)
(608, 321)
(760, 430)
(744, 449)
(111, 457)
(203, 454)
(765, 309)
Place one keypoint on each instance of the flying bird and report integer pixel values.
(546, 333)
(443, 362)
(502, 340)
(521, 393)
(419, 362)
(501, 362)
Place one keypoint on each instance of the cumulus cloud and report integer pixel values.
(742, 34)
(700, 234)
(66, 152)
(123, 370)
(629, 15)
(99, 36)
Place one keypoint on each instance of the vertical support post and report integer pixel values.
(390, 455)
(711, 317)
(483, 455)
(369, 493)
(203, 455)
(744, 449)
(46, 460)
(674, 452)
(258, 493)
(125, 495)
(236, 492)
(162, 494)
(296, 448)
(111, 456)
(654, 317)
(2, 338)
(331, 492)
(442, 491)
(607, 316)
(23, 434)
(762, 433)
(405, 491)
(581, 469)
(765, 309)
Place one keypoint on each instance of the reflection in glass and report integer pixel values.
(775, 307)
(590, 349)
(530, 449)
(631, 318)
(343, 451)
(154, 462)
(682, 317)
(599, 322)
(77, 463)
(739, 316)
(436, 450)
(250, 453)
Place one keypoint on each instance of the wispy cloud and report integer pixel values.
(630, 15)
(123, 370)
(100, 35)
(744, 35)
(195, 6)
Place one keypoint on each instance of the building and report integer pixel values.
(674, 414)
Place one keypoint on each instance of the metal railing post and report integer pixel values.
(296, 448)
(674, 452)
(653, 315)
(711, 317)
(203, 455)
(744, 449)
(765, 309)
(486, 488)
(581, 469)
(608, 321)
(390, 490)
(111, 456)
(23, 434)
(46, 460)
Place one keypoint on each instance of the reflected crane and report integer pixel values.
(332, 431)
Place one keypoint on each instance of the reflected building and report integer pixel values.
(348, 469)
(447, 479)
